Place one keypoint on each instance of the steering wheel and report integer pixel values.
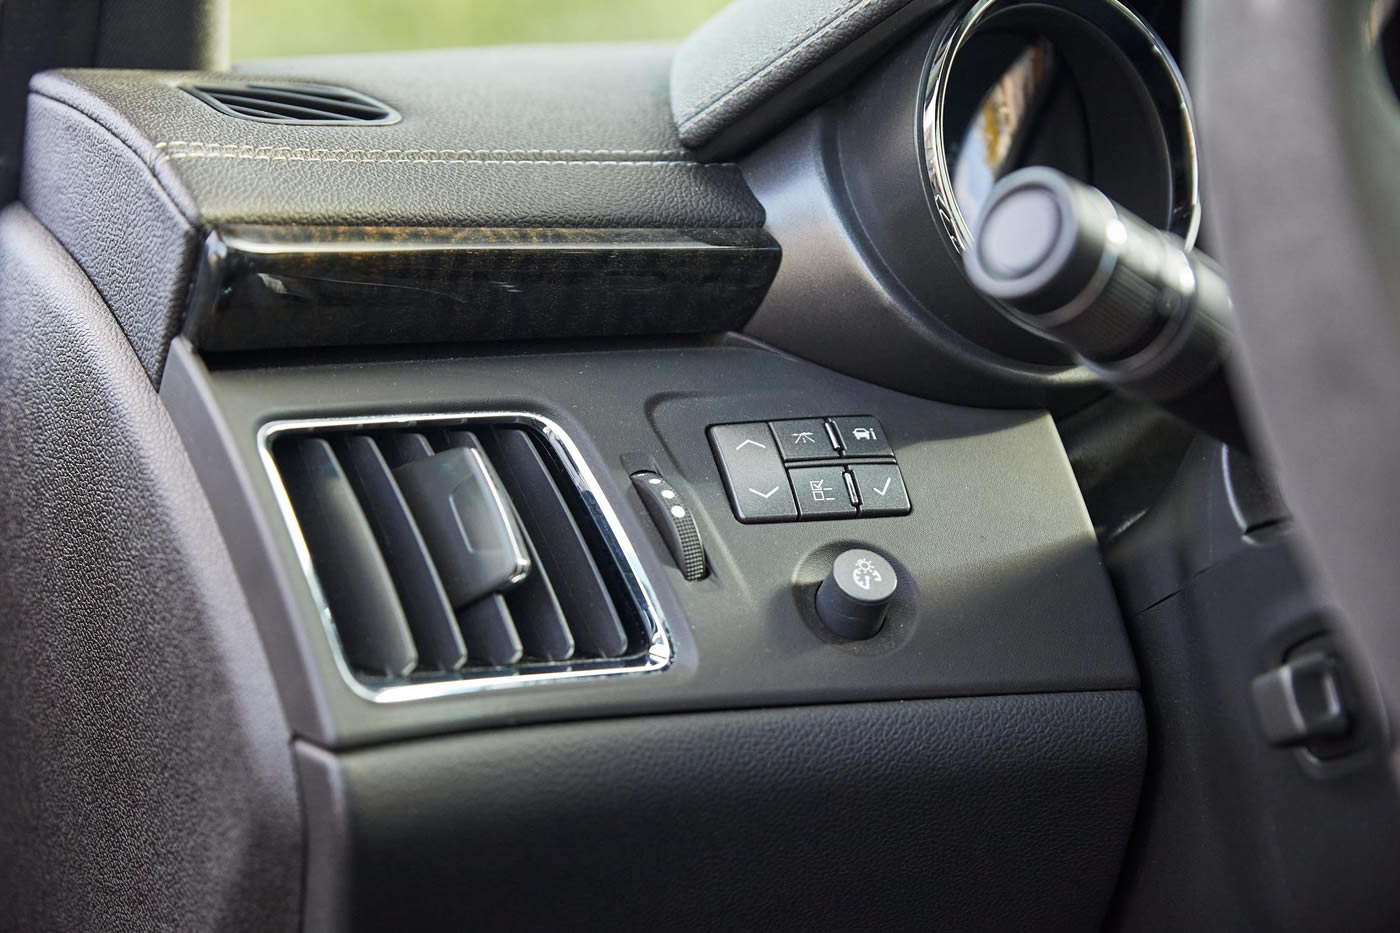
(1300, 128)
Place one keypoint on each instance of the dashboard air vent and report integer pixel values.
(315, 104)
(456, 555)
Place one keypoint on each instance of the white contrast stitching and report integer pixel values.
(462, 152)
(773, 63)
(312, 157)
(184, 149)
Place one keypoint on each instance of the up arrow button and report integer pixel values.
(753, 472)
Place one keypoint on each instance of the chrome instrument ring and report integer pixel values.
(1151, 62)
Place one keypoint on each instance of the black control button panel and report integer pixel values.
(753, 472)
(804, 439)
(862, 436)
(809, 468)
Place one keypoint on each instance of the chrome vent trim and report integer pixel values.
(659, 651)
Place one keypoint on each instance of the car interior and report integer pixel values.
(866, 465)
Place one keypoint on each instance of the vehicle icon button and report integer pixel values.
(862, 436)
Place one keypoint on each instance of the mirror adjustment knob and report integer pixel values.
(854, 597)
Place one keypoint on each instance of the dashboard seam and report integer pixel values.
(182, 149)
(166, 144)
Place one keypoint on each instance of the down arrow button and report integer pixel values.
(753, 472)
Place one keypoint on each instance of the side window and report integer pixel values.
(268, 28)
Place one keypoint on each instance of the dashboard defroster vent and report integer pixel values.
(452, 555)
(311, 104)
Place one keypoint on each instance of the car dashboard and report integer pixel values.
(512, 412)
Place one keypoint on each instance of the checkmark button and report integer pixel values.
(881, 489)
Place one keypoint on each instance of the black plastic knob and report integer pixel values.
(1137, 307)
(853, 599)
(1076, 266)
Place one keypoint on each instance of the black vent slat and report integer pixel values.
(539, 619)
(462, 513)
(403, 447)
(430, 616)
(597, 629)
(458, 548)
(357, 585)
(260, 114)
(276, 108)
(339, 103)
(316, 104)
(489, 632)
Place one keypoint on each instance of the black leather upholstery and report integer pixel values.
(754, 51)
(98, 197)
(126, 168)
(147, 782)
(533, 136)
(995, 814)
